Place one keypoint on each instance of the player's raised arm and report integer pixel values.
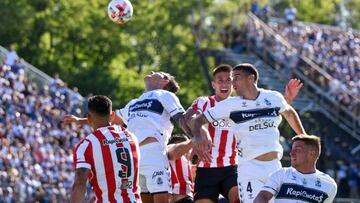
(176, 150)
(292, 89)
(84, 121)
(201, 139)
(190, 114)
(74, 119)
(79, 187)
(179, 119)
(293, 119)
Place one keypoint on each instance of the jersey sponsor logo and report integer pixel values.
(221, 123)
(243, 116)
(157, 173)
(152, 105)
(262, 126)
(114, 141)
(299, 192)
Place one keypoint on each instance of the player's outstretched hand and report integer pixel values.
(292, 89)
(71, 119)
(201, 147)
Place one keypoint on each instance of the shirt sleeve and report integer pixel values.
(199, 104)
(274, 182)
(81, 155)
(123, 113)
(332, 194)
(282, 102)
(171, 103)
(220, 110)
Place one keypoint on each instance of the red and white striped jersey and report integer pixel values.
(181, 179)
(112, 155)
(224, 143)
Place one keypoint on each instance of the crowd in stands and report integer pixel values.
(36, 163)
(336, 52)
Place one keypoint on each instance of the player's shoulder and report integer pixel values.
(202, 99)
(131, 102)
(284, 171)
(232, 99)
(161, 93)
(83, 142)
(269, 92)
(271, 95)
(326, 177)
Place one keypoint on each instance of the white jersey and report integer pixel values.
(254, 122)
(290, 186)
(149, 115)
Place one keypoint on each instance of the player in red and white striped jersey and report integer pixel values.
(218, 176)
(180, 166)
(108, 157)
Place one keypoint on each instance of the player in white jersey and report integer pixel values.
(219, 176)
(301, 182)
(148, 117)
(255, 115)
(108, 157)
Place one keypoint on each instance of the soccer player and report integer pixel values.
(219, 175)
(301, 182)
(254, 116)
(180, 165)
(149, 118)
(108, 157)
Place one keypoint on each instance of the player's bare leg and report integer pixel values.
(161, 198)
(147, 198)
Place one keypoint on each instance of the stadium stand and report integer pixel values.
(35, 150)
(277, 61)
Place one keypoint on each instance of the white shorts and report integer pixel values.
(252, 175)
(154, 169)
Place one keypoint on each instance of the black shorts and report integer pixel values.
(185, 200)
(210, 182)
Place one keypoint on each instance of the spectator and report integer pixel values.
(290, 14)
(254, 7)
(11, 56)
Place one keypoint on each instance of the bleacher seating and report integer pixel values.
(36, 162)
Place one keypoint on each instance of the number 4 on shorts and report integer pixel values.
(248, 187)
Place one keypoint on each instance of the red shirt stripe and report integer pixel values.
(223, 139)
(224, 143)
(108, 164)
(233, 149)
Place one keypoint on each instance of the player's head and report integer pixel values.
(161, 80)
(222, 81)
(305, 150)
(177, 138)
(244, 75)
(100, 109)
